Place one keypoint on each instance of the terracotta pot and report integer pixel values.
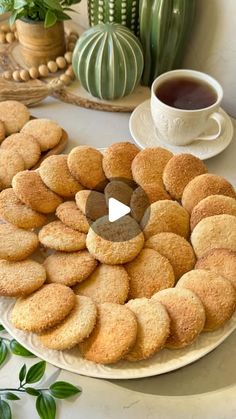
(39, 45)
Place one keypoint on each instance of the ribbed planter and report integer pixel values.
(124, 12)
(164, 30)
(108, 61)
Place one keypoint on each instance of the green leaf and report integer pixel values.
(36, 372)
(19, 350)
(46, 406)
(62, 390)
(13, 17)
(11, 396)
(5, 411)
(18, 4)
(32, 391)
(22, 373)
(53, 4)
(1, 328)
(3, 352)
(50, 19)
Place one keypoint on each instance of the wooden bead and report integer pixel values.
(43, 70)
(70, 72)
(16, 75)
(73, 33)
(10, 37)
(7, 75)
(2, 38)
(34, 73)
(52, 66)
(4, 28)
(73, 38)
(65, 79)
(68, 57)
(71, 46)
(61, 62)
(24, 74)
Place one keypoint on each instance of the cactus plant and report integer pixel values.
(108, 61)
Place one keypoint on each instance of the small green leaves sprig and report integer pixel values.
(8, 346)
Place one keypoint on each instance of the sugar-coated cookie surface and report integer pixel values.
(26, 145)
(11, 237)
(119, 190)
(70, 215)
(58, 236)
(48, 133)
(14, 115)
(143, 197)
(2, 131)
(117, 161)
(11, 162)
(92, 204)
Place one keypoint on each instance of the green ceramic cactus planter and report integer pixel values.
(124, 12)
(164, 29)
(108, 61)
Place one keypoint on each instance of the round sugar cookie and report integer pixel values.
(176, 249)
(143, 197)
(205, 185)
(69, 268)
(107, 284)
(2, 131)
(212, 205)
(92, 204)
(14, 115)
(15, 212)
(149, 164)
(179, 171)
(119, 190)
(30, 189)
(187, 316)
(58, 236)
(76, 327)
(216, 293)
(153, 328)
(11, 162)
(20, 278)
(165, 216)
(48, 133)
(113, 336)
(220, 261)
(217, 232)
(115, 243)
(26, 145)
(55, 174)
(117, 160)
(149, 273)
(85, 164)
(70, 215)
(45, 308)
(16, 244)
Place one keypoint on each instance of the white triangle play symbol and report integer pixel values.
(116, 210)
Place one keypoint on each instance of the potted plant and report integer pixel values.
(40, 27)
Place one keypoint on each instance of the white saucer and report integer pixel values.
(144, 134)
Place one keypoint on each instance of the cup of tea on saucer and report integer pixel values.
(182, 103)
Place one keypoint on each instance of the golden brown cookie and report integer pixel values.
(2, 131)
(14, 115)
(153, 328)
(115, 243)
(48, 133)
(58, 236)
(16, 244)
(118, 190)
(205, 185)
(149, 164)
(117, 161)
(15, 212)
(216, 293)
(149, 273)
(70, 215)
(179, 171)
(142, 198)
(113, 336)
(220, 261)
(176, 249)
(20, 278)
(187, 316)
(107, 284)
(92, 204)
(76, 327)
(30, 189)
(26, 145)
(217, 232)
(69, 268)
(85, 164)
(165, 216)
(11, 163)
(212, 205)
(45, 308)
(55, 174)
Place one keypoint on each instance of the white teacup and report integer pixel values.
(180, 127)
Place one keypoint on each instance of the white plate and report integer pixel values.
(163, 362)
(144, 134)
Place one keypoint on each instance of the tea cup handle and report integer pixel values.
(221, 122)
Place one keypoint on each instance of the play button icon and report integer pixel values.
(116, 210)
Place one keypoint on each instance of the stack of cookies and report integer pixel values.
(25, 142)
(126, 289)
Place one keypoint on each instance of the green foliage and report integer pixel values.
(19, 350)
(47, 11)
